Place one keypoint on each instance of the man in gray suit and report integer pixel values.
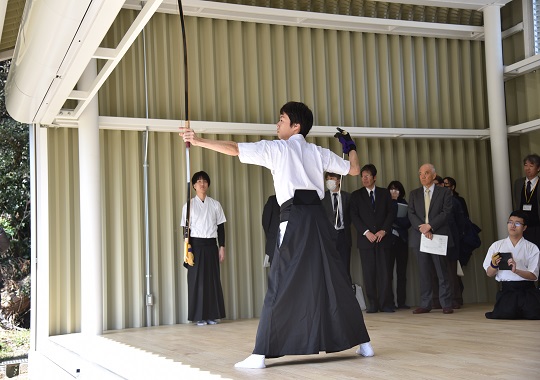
(430, 207)
(337, 206)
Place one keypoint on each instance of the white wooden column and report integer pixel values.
(39, 198)
(497, 118)
(90, 192)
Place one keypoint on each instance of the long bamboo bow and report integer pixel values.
(188, 252)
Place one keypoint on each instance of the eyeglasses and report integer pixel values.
(515, 224)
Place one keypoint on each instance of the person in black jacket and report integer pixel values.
(337, 206)
(372, 215)
(399, 251)
(526, 197)
(451, 184)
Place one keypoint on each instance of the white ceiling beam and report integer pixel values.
(522, 67)
(171, 6)
(243, 129)
(275, 16)
(529, 126)
(461, 4)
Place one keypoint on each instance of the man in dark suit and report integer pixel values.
(337, 206)
(437, 201)
(372, 215)
(526, 197)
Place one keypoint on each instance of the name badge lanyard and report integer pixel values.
(528, 201)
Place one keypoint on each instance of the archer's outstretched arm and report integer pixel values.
(226, 147)
(355, 165)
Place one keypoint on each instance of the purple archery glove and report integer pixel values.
(345, 140)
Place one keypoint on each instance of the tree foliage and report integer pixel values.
(14, 192)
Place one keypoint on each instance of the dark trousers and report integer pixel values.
(532, 234)
(344, 250)
(375, 268)
(456, 286)
(426, 264)
(399, 254)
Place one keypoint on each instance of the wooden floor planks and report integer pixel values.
(463, 345)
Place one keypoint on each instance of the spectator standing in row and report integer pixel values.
(430, 207)
(526, 197)
(337, 203)
(399, 251)
(451, 183)
(372, 214)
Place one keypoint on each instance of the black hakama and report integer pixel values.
(205, 295)
(516, 300)
(309, 306)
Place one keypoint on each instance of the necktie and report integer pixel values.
(337, 218)
(528, 191)
(372, 199)
(427, 201)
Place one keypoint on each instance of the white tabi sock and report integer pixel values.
(365, 349)
(252, 361)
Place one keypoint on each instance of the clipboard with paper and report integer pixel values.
(435, 246)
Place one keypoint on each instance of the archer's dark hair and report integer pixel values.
(200, 175)
(298, 113)
(369, 168)
(398, 186)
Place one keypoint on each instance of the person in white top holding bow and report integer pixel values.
(309, 306)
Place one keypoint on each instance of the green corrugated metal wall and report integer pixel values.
(242, 72)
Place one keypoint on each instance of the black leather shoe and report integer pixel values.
(388, 310)
(421, 310)
(371, 310)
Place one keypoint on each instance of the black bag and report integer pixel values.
(4, 241)
(469, 241)
(470, 236)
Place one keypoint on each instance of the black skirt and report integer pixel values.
(309, 306)
(205, 295)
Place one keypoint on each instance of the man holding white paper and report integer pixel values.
(430, 207)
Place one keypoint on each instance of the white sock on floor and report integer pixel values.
(252, 361)
(365, 349)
